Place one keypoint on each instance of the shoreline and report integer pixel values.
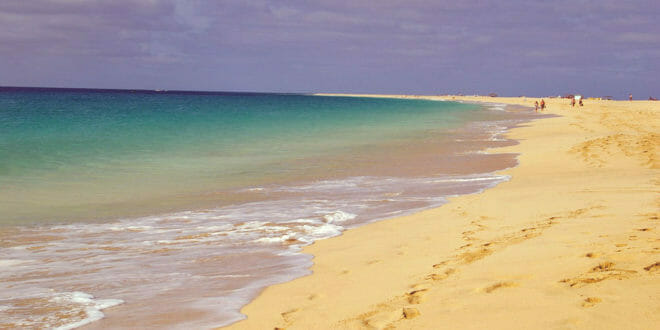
(546, 259)
(440, 162)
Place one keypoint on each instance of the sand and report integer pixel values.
(571, 241)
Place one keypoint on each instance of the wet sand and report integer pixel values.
(571, 241)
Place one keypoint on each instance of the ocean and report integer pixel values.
(174, 209)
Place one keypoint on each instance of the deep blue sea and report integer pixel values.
(139, 204)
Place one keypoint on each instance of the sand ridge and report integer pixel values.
(571, 241)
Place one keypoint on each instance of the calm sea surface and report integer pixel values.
(175, 209)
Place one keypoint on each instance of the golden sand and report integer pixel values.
(571, 241)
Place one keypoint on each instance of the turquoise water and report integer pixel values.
(85, 155)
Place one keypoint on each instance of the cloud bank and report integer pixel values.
(513, 47)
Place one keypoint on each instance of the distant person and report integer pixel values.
(536, 106)
(581, 104)
(630, 97)
(542, 104)
(573, 102)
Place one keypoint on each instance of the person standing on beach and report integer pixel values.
(630, 97)
(536, 106)
(573, 102)
(542, 104)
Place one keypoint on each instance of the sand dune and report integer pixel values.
(571, 241)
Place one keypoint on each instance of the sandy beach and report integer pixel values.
(571, 241)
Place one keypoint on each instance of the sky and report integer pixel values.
(512, 47)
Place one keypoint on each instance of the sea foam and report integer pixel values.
(92, 307)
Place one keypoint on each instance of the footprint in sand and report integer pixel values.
(383, 317)
(441, 276)
(410, 313)
(440, 264)
(471, 256)
(288, 315)
(416, 297)
(603, 267)
(420, 286)
(599, 273)
(499, 285)
(313, 296)
(591, 302)
(653, 267)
